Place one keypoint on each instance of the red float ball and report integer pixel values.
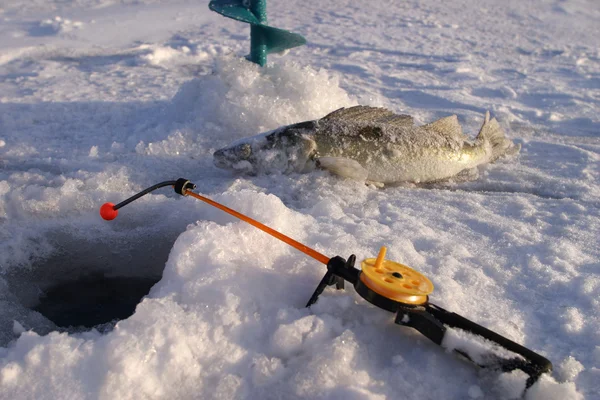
(108, 212)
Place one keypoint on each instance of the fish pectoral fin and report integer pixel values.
(376, 184)
(466, 175)
(344, 167)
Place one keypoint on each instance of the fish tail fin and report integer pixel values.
(491, 133)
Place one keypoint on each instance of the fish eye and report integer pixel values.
(244, 150)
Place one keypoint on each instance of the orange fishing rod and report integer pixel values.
(389, 285)
(108, 211)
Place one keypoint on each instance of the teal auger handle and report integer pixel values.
(264, 39)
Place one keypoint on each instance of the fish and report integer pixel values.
(372, 145)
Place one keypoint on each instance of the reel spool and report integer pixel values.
(385, 283)
(395, 281)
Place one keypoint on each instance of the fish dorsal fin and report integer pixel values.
(397, 119)
(447, 126)
(358, 114)
(368, 114)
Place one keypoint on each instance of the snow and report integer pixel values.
(102, 98)
(480, 350)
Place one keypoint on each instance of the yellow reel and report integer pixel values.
(394, 280)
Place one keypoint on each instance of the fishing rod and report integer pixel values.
(391, 286)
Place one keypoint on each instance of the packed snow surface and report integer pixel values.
(101, 98)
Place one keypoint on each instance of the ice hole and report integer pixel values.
(93, 300)
(89, 283)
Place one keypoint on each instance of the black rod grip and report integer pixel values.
(451, 319)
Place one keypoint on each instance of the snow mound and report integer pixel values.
(246, 99)
(240, 99)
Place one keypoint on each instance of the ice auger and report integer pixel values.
(264, 39)
(393, 287)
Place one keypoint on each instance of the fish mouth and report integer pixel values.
(222, 159)
(221, 164)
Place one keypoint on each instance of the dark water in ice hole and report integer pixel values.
(89, 281)
(93, 300)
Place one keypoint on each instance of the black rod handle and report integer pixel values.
(539, 364)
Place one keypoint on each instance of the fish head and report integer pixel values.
(285, 149)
